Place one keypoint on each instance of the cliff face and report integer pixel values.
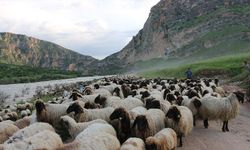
(177, 28)
(24, 50)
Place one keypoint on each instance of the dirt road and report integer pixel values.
(214, 139)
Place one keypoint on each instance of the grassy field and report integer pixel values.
(22, 74)
(231, 65)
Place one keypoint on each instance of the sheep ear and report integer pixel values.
(135, 122)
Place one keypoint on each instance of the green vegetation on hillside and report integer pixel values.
(232, 66)
(22, 74)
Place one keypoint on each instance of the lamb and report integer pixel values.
(126, 117)
(223, 109)
(50, 113)
(43, 140)
(149, 124)
(7, 130)
(84, 115)
(133, 144)
(29, 131)
(180, 119)
(22, 123)
(75, 128)
(166, 139)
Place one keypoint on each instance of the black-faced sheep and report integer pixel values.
(84, 115)
(180, 119)
(223, 109)
(166, 139)
(149, 124)
(133, 144)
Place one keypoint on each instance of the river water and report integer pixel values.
(25, 91)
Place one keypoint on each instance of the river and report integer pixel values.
(25, 91)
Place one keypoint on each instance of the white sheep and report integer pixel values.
(149, 124)
(22, 123)
(166, 139)
(223, 109)
(6, 130)
(180, 118)
(126, 118)
(43, 140)
(193, 104)
(128, 103)
(84, 115)
(50, 113)
(103, 141)
(97, 128)
(29, 131)
(75, 128)
(133, 144)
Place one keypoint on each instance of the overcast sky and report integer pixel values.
(91, 27)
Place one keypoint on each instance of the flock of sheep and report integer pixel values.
(126, 113)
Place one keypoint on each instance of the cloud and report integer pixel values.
(91, 27)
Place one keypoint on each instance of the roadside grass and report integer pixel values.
(232, 66)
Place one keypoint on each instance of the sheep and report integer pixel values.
(24, 113)
(97, 128)
(22, 123)
(149, 124)
(125, 117)
(50, 113)
(10, 116)
(24, 106)
(166, 139)
(223, 109)
(192, 103)
(102, 92)
(180, 119)
(133, 144)
(219, 90)
(91, 105)
(103, 141)
(128, 103)
(29, 131)
(75, 95)
(118, 92)
(43, 140)
(87, 91)
(1, 119)
(7, 130)
(84, 115)
(160, 104)
(75, 128)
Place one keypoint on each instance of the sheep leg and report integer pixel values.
(227, 126)
(194, 120)
(180, 137)
(223, 126)
(206, 123)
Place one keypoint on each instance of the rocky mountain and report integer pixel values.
(181, 28)
(24, 50)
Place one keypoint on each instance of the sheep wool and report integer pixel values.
(149, 124)
(166, 139)
(75, 128)
(7, 130)
(42, 140)
(29, 131)
(133, 144)
(22, 123)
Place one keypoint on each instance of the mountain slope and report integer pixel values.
(183, 29)
(24, 50)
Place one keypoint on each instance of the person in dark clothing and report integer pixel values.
(189, 73)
